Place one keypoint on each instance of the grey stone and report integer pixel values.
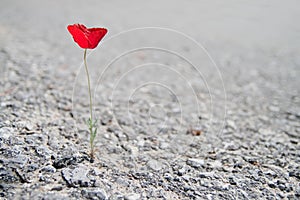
(122, 181)
(77, 177)
(163, 145)
(7, 176)
(141, 143)
(67, 160)
(27, 125)
(49, 169)
(5, 133)
(32, 167)
(53, 196)
(95, 194)
(106, 118)
(133, 150)
(206, 175)
(295, 173)
(297, 192)
(274, 108)
(272, 184)
(181, 171)
(231, 146)
(19, 161)
(43, 152)
(195, 162)
(154, 165)
(231, 124)
(132, 196)
(168, 177)
(270, 173)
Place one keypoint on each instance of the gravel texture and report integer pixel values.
(171, 125)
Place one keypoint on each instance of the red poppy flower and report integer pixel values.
(87, 38)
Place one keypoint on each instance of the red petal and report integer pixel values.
(95, 36)
(78, 33)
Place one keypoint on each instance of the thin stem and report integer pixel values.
(89, 84)
(90, 122)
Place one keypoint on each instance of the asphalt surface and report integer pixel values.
(194, 100)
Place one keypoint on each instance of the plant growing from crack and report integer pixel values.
(88, 38)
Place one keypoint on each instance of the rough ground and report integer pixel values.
(168, 127)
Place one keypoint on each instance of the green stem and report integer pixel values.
(91, 122)
(89, 84)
